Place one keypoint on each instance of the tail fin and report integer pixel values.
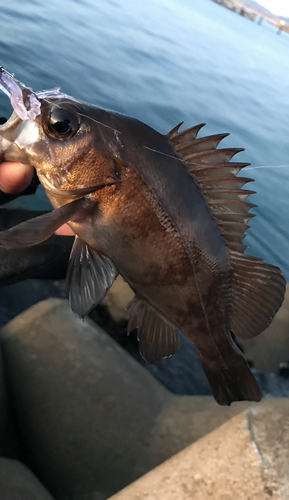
(233, 381)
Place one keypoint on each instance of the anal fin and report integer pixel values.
(157, 337)
(258, 292)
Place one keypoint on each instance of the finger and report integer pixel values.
(64, 230)
(15, 177)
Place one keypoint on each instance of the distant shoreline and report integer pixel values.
(254, 13)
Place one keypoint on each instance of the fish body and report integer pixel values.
(115, 226)
(168, 213)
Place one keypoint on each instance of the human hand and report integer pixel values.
(45, 261)
(15, 177)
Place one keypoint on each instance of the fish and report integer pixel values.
(167, 212)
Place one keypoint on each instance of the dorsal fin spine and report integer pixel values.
(217, 178)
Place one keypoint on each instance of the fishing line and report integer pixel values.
(161, 153)
(3, 70)
(99, 123)
(57, 94)
(266, 166)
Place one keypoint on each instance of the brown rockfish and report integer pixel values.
(167, 212)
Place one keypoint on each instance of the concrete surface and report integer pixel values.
(268, 427)
(8, 441)
(247, 458)
(90, 418)
(18, 483)
(117, 299)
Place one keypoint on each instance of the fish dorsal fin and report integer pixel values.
(184, 136)
(258, 292)
(89, 277)
(157, 337)
(217, 176)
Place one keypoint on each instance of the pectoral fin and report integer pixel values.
(89, 276)
(157, 337)
(258, 292)
(39, 229)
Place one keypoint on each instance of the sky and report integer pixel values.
(278, 7)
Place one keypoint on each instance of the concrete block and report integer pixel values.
(246, 458)
(117, 299)
(18, 483)
(91, 419)
(9, 445)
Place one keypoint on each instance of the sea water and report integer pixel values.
(164, 61)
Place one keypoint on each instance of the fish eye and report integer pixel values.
(61, 123)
